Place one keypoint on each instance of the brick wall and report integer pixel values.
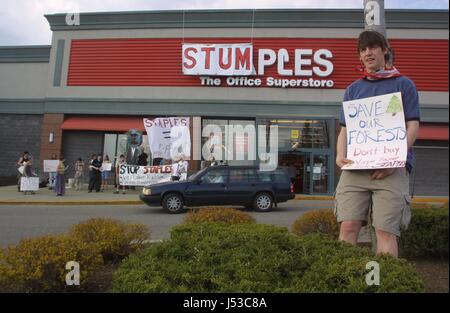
(81, 144)
(51, 123)
(18, 133)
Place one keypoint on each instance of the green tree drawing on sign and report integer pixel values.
(395, 106)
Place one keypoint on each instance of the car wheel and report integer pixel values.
(173, 203)
(263, 202)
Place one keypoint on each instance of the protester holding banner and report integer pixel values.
(52, 175)
(383, 190)
(60, 184)
(79, 174)
(120, 162)
(95, 177)
(105, 173)
(25, 167)
(175, 169)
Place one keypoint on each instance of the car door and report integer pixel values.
(209, 189)
(242, 185)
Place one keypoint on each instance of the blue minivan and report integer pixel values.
(223, 185)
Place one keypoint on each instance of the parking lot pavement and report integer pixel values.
(23, 221)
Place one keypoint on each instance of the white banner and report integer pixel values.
(168, 137)
(218, 59)
(135, 175)
(376, 132)
(29, 183)
(50, 165)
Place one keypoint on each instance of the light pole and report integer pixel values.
(374, 19)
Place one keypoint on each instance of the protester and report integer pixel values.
(25, 164)
(175, 173)
(105, 174)
(386, 191)
(143, 159)
(95, 177)
(60, 183)
(183, 166)
(120, 162)
(52, 175)
(79, 174)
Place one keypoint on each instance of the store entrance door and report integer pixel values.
(298, 167)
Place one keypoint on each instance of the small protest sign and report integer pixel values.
(106, 167)
(376, 132)
(50, 166)
(29, 183)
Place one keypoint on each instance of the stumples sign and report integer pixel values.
(300, 68)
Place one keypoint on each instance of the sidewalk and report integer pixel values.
(10, 195)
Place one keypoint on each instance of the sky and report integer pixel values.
(22, 22)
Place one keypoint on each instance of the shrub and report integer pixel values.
(340, 267)
(39, 264)
(427, 234)
(223, 215)
(114, 239)
(320, 221)
(213, 257)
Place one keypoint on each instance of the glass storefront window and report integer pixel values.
(305, 148)
(297, 134)
(229, 145)
(320, 174)
(116, 144)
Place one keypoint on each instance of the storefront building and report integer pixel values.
(100, 78)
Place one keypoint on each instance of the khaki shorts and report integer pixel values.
(389, 197)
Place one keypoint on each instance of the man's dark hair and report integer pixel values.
(371, 38)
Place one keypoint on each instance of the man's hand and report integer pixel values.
(341, 161)
(382, 173)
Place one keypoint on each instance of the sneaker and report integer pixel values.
(116, 192)
(89, 191)
(123, 192)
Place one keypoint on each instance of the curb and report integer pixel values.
(414, 200)
(138, 202)
(130, 202)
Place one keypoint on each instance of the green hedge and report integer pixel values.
(427, 234)
(257, 258)
(38, 264)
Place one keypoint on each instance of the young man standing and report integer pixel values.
(385, 190)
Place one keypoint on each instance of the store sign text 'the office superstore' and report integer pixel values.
(308, 69)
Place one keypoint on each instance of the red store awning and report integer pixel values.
(103, 123)
(433, 132)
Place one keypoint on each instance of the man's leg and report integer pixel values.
(349, 231)
(386, 243)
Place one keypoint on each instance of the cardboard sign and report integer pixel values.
(376, 132)
(29, 183)
(106, 166)
(218, 59)
(50, 165)
(135, 175)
